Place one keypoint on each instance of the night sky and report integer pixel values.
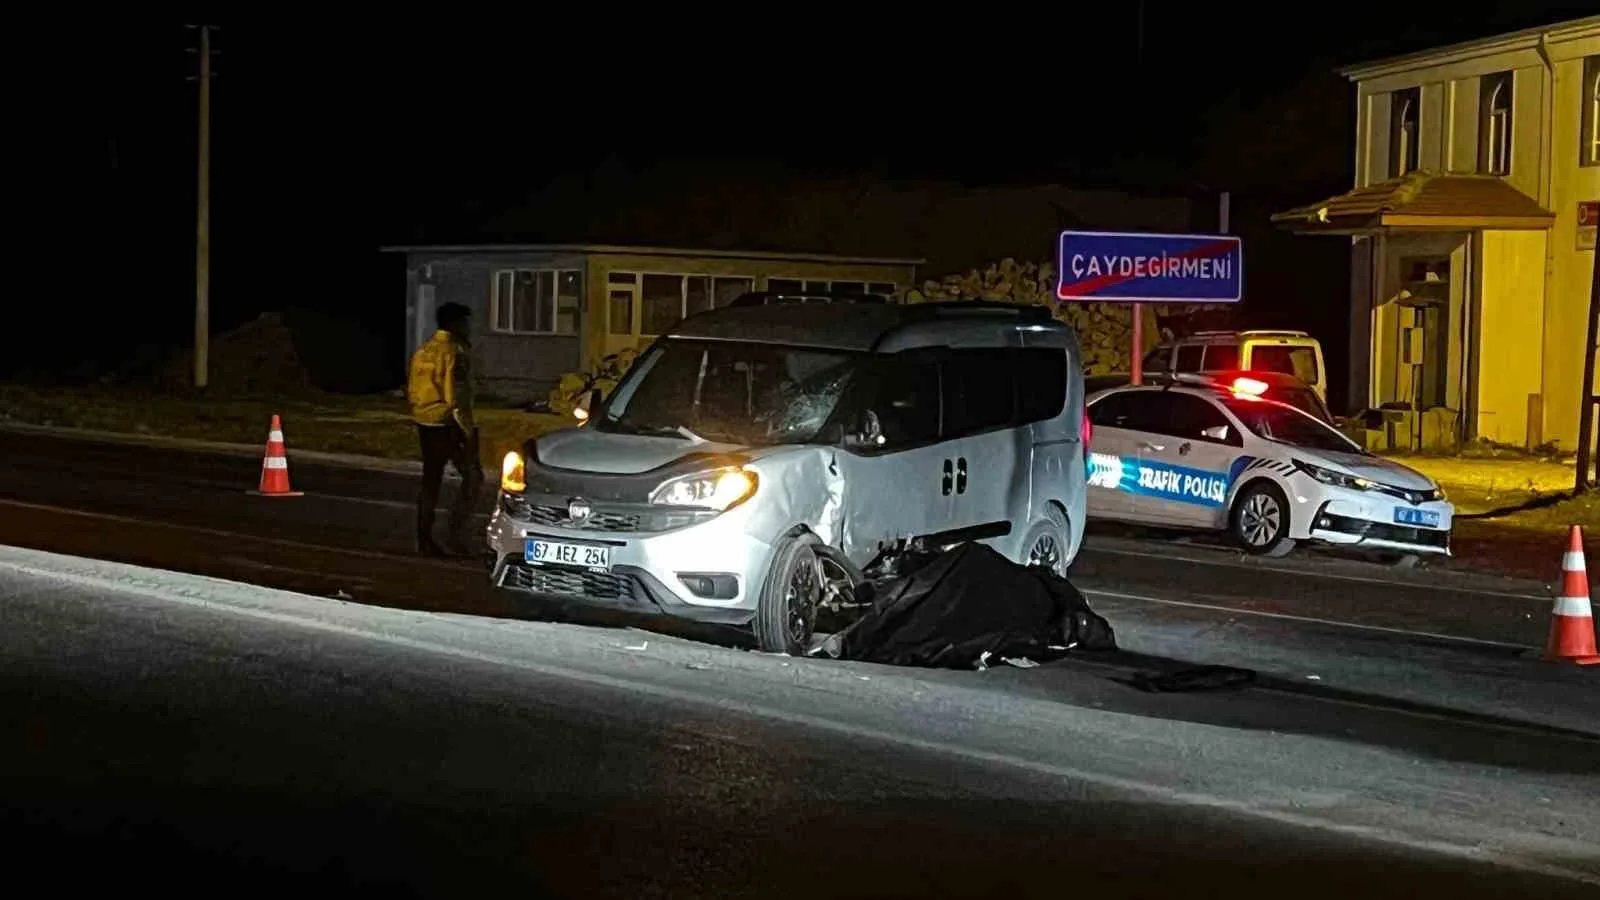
(334, 136)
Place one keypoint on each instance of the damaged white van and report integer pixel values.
(759, 459)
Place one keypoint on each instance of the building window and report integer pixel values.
(1589, 150)
(535, 301)
(664, 300)
(1405, 107)
(801, 286)
(1494, 129)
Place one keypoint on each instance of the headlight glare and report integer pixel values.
(722, 489)
(513, 474)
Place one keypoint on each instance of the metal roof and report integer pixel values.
(1526, 39)
(641, 250)
(844, 325)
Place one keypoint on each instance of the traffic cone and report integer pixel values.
(1572, 621)
(275, 467)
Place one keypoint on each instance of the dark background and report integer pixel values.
(335, 136)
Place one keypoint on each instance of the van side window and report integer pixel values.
(1041, 383)
(1222, 358)
(979, 390)
(1187, 358)
(1157, 360)
(903, 391)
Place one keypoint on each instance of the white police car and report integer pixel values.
(1225, 459)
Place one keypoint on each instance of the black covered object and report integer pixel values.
(951, 608)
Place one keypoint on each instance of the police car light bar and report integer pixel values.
(1249, 386)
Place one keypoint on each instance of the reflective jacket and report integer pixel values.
(440, 384)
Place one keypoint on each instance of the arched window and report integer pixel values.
(1494, 136)
(1593, 156)
(1403, 113)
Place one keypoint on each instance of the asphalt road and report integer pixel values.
(194, 735)
(1396, 736)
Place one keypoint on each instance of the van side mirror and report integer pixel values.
(1215, 433)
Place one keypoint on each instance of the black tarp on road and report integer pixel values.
(949, 610)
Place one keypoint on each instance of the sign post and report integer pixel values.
(1124, 267)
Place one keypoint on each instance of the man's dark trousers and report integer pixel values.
(442, 444)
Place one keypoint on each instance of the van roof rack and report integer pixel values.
(1254, 332)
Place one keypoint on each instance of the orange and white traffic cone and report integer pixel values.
(275, 466)
(1572, 620)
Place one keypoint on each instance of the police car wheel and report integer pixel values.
(786, 613)
(1260, 520)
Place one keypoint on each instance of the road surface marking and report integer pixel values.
(937, 746)
(1312, 620)
(1304, 573)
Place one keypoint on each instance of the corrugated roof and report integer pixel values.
(1422, 200)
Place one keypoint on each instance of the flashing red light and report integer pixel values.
(1249, 387)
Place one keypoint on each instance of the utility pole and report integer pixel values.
(1586, 415)
(202, 233)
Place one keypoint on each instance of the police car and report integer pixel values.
(1225, 458)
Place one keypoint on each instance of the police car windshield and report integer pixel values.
(1288, 426)
(729, 392)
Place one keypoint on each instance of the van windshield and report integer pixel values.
(729, 392)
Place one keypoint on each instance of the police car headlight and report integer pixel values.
(1336, 479)
(721, 490)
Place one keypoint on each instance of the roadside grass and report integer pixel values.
(369, 425)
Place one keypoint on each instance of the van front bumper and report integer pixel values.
(653, 573)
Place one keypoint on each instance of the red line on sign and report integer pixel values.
(1089, 285)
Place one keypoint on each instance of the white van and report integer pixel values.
(1293, 353)
(757, 460)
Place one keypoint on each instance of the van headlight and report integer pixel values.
(1337, 479)
(513, 474)
(721, 489)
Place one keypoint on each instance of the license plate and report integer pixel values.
(1425, 518)
(557, 553)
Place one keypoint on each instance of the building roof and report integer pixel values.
(641, 250)
(1526, 39)
(1421, 200)
(843, 325)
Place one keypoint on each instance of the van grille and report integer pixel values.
(566, 582)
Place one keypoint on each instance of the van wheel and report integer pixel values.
(1046, 543)
(786, 613)
(1260, 520)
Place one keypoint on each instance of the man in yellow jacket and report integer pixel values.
(440, 390)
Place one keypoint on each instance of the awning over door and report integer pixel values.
(1421, 201)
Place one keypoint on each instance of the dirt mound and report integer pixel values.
(259, 357)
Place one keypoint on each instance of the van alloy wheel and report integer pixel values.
(801, 598)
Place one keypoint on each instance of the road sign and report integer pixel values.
(1121, 267)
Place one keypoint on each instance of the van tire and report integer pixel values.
(779, 627)
(1051, 529)
(1259, 520)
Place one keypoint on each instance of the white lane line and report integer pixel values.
(231, 535)
(933, 746)
(1310, 620)
(1303, 573)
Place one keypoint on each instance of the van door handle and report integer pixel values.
(961, 475)
(947, 477)
(1154, 448)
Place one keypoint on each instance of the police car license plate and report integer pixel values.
(540, 552)
(1422, 518)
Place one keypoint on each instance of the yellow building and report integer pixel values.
(1475, 165)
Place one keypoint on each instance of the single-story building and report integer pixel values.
(1472, 237)
(544, 309)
